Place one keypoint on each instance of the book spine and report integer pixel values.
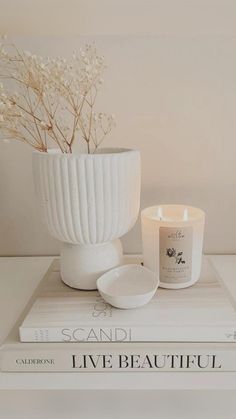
(118, 360)
(128, 334)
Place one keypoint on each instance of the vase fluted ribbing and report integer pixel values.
(88, 201)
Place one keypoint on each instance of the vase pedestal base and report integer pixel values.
(82, 265)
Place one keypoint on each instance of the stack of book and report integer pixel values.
(62, 329)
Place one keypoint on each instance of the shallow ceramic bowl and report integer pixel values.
(128, 286)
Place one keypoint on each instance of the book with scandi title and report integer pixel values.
(202, 313)
(107, 355)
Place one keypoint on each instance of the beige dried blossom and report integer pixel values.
(53, 99)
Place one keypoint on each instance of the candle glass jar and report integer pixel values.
(172, 243)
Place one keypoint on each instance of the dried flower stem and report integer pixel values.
(54, 100)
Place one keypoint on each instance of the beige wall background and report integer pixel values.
(171, 81)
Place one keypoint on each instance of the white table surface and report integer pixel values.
(71, 396)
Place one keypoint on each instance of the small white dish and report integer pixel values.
(128, 286)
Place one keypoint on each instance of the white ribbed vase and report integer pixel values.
(88, 201)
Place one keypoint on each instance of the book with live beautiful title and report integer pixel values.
(101, 353)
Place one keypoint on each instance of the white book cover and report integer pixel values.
(118, 357)
(201, 313)
(122, 357)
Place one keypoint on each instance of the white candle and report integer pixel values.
(172, 243)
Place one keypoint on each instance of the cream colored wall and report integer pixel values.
(171, 81)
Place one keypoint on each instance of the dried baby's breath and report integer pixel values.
(52, 99)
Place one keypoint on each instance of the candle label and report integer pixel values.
(175, 254)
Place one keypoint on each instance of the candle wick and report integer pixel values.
(185, 217)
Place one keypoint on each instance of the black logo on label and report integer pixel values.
(172, 253)
(177, 235)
